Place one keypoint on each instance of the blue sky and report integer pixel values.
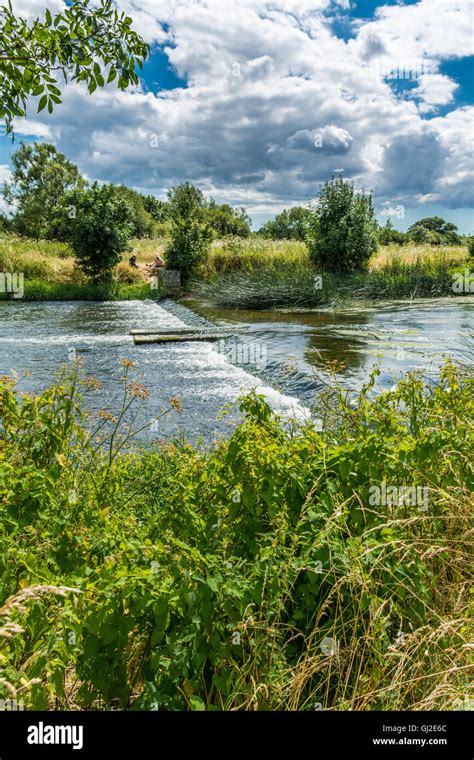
(260, 101)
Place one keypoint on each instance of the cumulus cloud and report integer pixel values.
(275, 102)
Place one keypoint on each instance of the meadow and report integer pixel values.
(242, 273)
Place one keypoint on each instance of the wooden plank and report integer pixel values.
(177, 338)
(180, 331)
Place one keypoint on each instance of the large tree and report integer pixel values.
(434, 230)
(101, 232)
(42, 180)
(91, 43)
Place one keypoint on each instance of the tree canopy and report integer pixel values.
(434, 230)
(342, 228)
(90, 43)
(41, 180)
(289, 225)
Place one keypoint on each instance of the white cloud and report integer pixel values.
(265, 79)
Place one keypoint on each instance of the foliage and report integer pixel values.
(388, 235)
(42, 179)
(470, 245)
(142, 221)
(294, 284)
(184, 201)
(90, 43)
(342, 230)
(158, 210)
(289, 225)
(180, 578)
(102, 230)
(225, 221)
(434, 230)
(188, 247)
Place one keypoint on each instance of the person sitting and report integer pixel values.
(133, 262)
(159, 262)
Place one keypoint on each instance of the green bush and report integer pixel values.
(101, 231)
(258, 574)
(189, 245)
(342, 230)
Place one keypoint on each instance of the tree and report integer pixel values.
(289, 225)
(158, 210)
(434, 230)
(190, 237)
(185, 200)
(225, 220)
(42, 180)
(102, 230)
(94, 44)
(342, 230)
(142, 222)
(389, 235)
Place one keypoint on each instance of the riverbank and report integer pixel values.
(280, 569)
(286, 278)
(245, 274)
(49, 273)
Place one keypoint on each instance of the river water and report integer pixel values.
(283, 355)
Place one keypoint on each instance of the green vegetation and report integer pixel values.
(342, 231)
(434, 230)
(259, 574)
(289, 225)
(82, 43)
(42, 179)
(242, 275)
(101, 230)
(190, 237)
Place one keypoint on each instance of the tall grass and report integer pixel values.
(296, 284)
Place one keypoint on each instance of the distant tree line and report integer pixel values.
(293, 224)
(46, 189)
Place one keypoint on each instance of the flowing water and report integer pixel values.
(283, 355)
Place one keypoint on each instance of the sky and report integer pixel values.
(258, 102)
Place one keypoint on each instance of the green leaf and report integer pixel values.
(42, 103)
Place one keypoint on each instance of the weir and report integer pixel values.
(193, 328)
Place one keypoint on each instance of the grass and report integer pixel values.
(50, 272)
(238, 275)
(251, 273)
(258, 574)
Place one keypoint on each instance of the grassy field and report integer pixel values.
(252, 273)
(50, 272)
(267, 274)
(261, 574)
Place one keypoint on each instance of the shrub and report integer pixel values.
(470, 245)
(342, 230)
(101, 230)
(189, 245)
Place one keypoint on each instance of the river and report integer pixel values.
(282, 354)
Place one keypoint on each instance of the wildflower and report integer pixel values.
(176, 404)
(104, 415)
(127, 363)
(92, 383)
(138, 390)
